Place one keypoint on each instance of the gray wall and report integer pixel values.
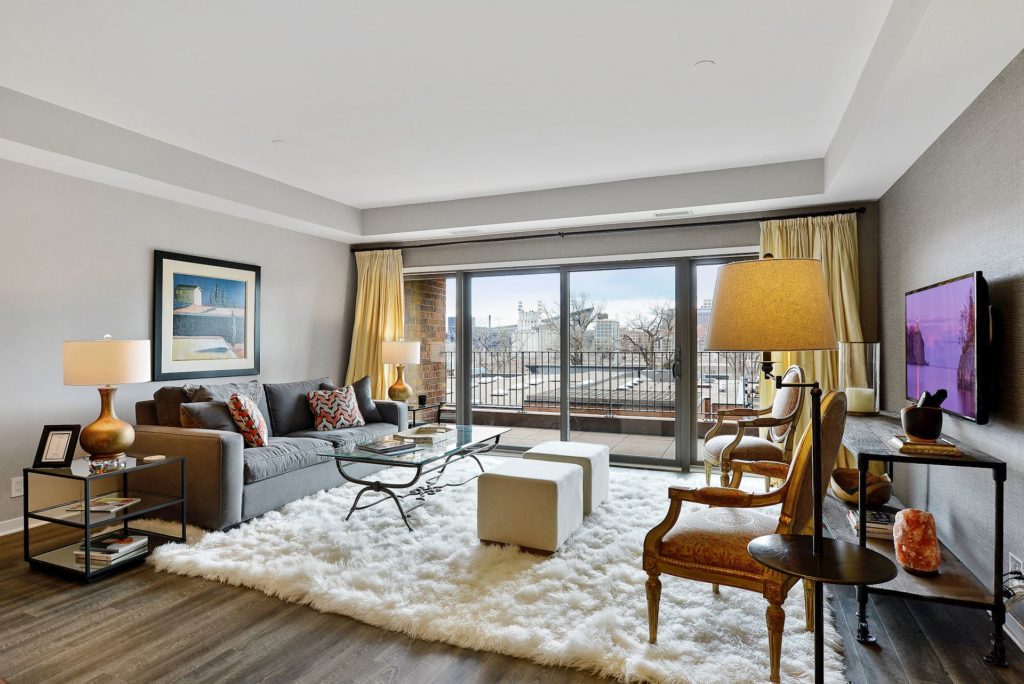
(615, 245)
(960, 208)
(76, 261)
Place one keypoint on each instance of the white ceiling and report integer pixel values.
(384, 103)
(413, 118)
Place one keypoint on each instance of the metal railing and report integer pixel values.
(606, 383)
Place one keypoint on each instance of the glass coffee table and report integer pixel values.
(467, 442)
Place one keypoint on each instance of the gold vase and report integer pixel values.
(400, 391)
(108, 436)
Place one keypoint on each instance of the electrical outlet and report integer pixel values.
(1015, 564)
(17, 487)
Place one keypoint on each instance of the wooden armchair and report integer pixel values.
(710, 545)
(779, 419)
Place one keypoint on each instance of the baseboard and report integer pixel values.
(15, 525)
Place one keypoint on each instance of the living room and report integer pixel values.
(548, 246)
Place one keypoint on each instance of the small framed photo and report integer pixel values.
(57, 446)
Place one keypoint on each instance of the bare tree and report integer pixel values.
(583, 311)
(648, 333)
(497, 348)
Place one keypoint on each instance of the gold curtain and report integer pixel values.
(833, 241)
(380, 315)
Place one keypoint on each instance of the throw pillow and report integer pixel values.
(221, 392)
(364, 396)
(289, 405)
(168, 400)
(207, 415)
(249, 420)
(335, 409)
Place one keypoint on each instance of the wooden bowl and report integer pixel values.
(844, 484)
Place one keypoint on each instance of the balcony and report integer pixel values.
(623, 399)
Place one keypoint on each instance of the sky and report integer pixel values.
(623, 292)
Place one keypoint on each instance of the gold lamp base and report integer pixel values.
(400, 391)
(108, 436)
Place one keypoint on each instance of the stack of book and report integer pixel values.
(429, 434)
(106, 504)
(879, 523)
(391, 447)
(941, 447)
(111, 548)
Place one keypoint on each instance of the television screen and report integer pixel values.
(945, 347)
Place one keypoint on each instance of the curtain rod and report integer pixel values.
(629, 229)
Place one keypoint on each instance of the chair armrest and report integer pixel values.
(724, 497)
(733, 412)
(762, 422)
(394, 412)
(779, 471)
(214, 469)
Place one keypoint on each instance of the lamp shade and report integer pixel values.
(106, 362)
(405, 353)
(771, 305)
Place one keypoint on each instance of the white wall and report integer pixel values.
(76, 261)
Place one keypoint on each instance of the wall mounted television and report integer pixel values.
(947, 344)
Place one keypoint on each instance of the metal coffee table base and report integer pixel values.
(428, 488)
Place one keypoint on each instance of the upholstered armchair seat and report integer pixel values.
(748, 449)
(717, 538)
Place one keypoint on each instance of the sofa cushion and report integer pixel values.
(168, 400)
(249, 420)
(289, 407)
(223, 391)
(347, 439)
(335, 409)
(364, 397)
(207, 415)
(282, 455)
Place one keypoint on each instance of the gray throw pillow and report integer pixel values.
(289, 405)
(207, 415)
(364, 397)
(223, 391)
(168, 400)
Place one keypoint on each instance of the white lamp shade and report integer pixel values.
(106, 362)
(771, 305)
(405, 353)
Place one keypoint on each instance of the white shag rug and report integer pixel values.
(584, 607)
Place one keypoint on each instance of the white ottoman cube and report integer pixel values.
(593, 458)
(534, 504)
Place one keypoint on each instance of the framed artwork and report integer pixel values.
(57, 446)
(206, 317)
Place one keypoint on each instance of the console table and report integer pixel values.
(868, 439)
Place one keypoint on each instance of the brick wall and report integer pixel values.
(425, 321)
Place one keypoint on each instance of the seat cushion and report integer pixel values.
(349, 438)
(718, 538)
(282, 455)
(289, 406)
(749, 449)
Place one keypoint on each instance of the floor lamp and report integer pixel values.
(782, 305)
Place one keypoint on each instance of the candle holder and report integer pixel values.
(859, 377)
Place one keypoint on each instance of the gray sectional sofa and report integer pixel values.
(229, 482)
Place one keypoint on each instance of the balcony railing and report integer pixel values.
(607, 383)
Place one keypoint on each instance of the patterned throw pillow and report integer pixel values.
(334, 409)
(249, 420)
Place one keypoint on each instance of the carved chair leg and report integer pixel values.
(715, 589)
(725, 474)
(809, 604)
(707, 471)
(653, 602)
(775, 616)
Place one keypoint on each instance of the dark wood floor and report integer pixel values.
(141, 625)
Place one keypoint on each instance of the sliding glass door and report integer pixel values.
(611, 354)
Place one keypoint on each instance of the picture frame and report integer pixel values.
(57, 446)
(206, 317)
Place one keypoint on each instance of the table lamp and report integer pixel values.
(400, 354)
(106, 363)
(783, 305)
